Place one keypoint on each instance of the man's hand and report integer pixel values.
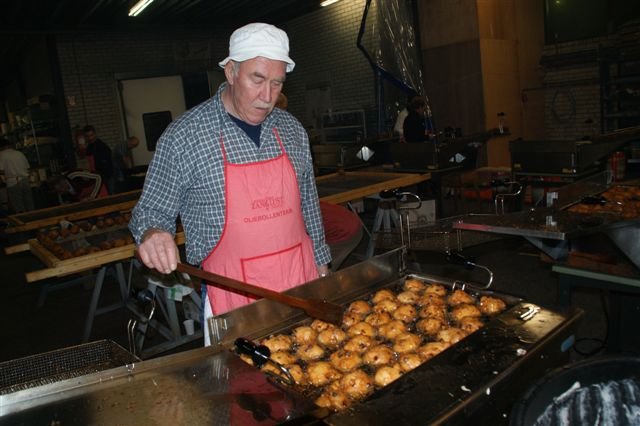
(323, 270)
(158, 250)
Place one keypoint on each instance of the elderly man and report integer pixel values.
(239, 174)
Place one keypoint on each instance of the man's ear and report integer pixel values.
(228, 72)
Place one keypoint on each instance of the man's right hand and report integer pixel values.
(158, 250)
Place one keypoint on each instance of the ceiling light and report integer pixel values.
(139, 7)
(326, 3)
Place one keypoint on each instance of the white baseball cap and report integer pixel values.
(259, 39)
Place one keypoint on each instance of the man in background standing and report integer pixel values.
(123, 162)
(101, 154)
(14, 166)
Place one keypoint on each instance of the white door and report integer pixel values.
(146, 95)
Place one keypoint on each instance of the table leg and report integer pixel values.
(95, 297)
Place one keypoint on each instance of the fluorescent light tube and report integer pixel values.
(139, 7)
(326, 3)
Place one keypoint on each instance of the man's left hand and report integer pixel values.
(323, 270)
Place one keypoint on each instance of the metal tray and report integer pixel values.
(478, 376)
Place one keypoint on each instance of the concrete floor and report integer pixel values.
(28, 329)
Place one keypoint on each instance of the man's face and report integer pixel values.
(90, 136)
(254, 89)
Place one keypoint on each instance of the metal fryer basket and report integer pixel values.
(439, 236)
(61, 364)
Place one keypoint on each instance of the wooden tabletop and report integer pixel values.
(334, 188)
(337, 188)
(41, 218)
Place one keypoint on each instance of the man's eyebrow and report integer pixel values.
(260, 75)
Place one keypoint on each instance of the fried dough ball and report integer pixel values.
(405, 313)
(278, 342)
(100, 223)
(451, 335)
(80, 252)
(119, 242)
(429, 326)
(409, 361)
(333, 399)
(385, 305)
(310, 352)
(382, 295)
(351, 318)
(53, 234)
(106, 245)
(359, 307)
(129, 239)
(393, 329)
(93, 249)
(464, 310)
(491, 305)
(434, 311)
(66, 254)
(304, 335)
(379, 355)
(298, 374)
(437, 289)
(408, 297)
(407, 342)
(86, 226)
(413, 284)
(345, 361)
(332, 338)
(74, 229)
(359, 344)
(458, 297)
(319, 325)
(64, 232)
(431, 349)
(470, 324)
(387, 374)
(283, 358)
(361, 328)
(377, 319)
(109, 222)
(322, 372)
(246, 358)
(356, 384)
(431, 299)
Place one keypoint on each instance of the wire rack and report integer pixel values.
(61, 364)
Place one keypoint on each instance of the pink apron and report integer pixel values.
(264, 241)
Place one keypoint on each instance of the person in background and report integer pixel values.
(77, 186)
(101, 155)
(414, 127)
(14, 167)
(123, 162)
(282, 102)
(398, 127)
(239, 174)
(343, 232)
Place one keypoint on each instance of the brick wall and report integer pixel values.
(323, 44)
(572, 89)
(91, 65)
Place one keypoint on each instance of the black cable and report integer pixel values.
(602, 342)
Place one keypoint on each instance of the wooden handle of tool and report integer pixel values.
(241, 286)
